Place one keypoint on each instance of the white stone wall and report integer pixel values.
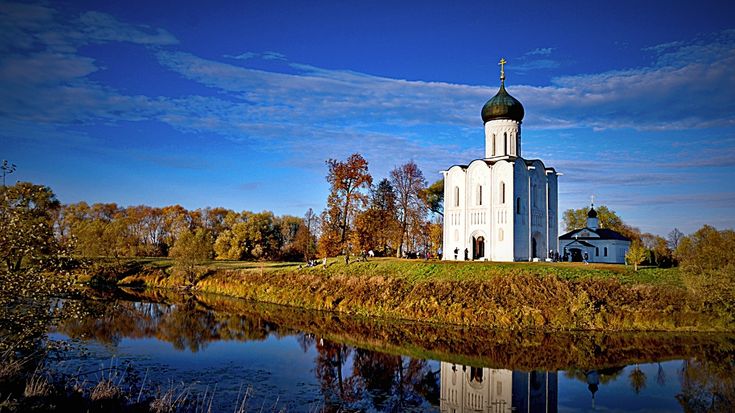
(520, 210)
(496, 217)
(479, 210)
(502, 211)
(454, 213)
(553, 208)
(459, 392)
(616, 250)
(497, 132)
(538, 205)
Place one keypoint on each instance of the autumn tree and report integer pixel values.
(305, 237)
(658, 249)
(347, 180)
(436, 234)
(214, 219)
(32, 265)
(251, 236)
(636, 254)
(26, 219)
(409, 184)
(176, 219)
(291, 245)
(377, 226)
(707, 262)
(433, 196)
(190, 250)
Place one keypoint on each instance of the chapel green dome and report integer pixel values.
(502, 106)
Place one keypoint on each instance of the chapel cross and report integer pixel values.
(502, 68)
(592, 200)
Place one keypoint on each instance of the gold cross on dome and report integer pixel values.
(502, 68)
(592, 200)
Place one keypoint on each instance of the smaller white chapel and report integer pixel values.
(594, 244)
(501, 207)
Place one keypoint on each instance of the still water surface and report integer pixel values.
(306, 361)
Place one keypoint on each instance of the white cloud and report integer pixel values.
(101, 27)
(270, 55)
(541, 51)
(242, 56)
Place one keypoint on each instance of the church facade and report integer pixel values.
(594, 244)
(466, 389)
(501, 207)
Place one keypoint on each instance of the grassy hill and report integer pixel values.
(548, 296)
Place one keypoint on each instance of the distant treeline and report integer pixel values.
(108, 230)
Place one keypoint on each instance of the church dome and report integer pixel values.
(502, 106)
(592, 213)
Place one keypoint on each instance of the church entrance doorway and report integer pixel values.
(576, 254)
(478, 247)
(533, 248)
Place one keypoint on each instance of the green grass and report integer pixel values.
(424, 271)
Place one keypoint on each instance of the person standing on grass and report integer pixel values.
(456, 252)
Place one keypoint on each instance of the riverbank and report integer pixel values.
(514, 296)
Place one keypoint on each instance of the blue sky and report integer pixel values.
(238, 104)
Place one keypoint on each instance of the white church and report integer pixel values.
(594, 244)
(467, 389)
(501, 207)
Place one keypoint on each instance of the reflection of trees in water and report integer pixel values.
(708, 386)
(186, 325)
(328, 370)
(637, 379)
(383, 381)
(389, 382)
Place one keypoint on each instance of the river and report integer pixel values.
(219, 349)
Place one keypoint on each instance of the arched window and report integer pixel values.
(605, 251)
(502, 192)
(493, 149)
(456, 196)
(500, 234)
(518, 205)
(505, 143)
(597, 251)
(476, 374)
(479, 195)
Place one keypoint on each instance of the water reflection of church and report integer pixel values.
(478, 389)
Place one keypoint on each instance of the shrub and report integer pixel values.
(707, 260)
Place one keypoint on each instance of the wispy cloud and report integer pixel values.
(242, 56)
(270, 55)
(541, 51)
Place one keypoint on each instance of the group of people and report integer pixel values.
(466, 254)
(314, 263)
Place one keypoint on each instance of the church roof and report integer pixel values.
(584, 243)
(502, 106)
(603, 234)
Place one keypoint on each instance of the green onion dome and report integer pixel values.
(502, 106)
